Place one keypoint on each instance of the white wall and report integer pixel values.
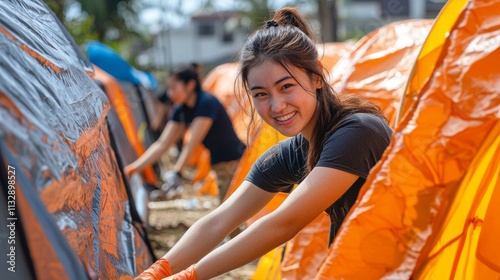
(184, 45)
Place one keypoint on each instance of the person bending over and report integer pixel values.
(209, 124)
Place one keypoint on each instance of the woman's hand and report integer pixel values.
(130, 169)
(159, 270)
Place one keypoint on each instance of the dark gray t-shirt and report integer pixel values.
(221, 139)
(355, 147)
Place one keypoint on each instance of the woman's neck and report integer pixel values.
(191, 100)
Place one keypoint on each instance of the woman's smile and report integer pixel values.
(286, 118)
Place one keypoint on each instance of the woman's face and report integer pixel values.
(178, 91)
(284, 100)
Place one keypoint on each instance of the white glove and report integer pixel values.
(172, 181)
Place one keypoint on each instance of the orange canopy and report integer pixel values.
(379, 64)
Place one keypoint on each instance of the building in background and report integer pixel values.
(359, 17)
(216, 37)
(208, 39)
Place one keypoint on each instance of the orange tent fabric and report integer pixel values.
(330, 53)
(379, 64)
(423, 68)
(426, 210)
(119, 102)
(306, 251)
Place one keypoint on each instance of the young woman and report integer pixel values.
(209, 124)
(333, 144)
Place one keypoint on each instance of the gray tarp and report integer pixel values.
(53, 131)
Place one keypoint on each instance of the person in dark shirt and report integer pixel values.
(334, 142)
(209, 125)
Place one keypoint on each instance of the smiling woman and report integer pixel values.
(334, 142)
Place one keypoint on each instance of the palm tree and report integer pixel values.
(107, 15)
(258, 12)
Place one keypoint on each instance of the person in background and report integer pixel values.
(162, 113)
(167, 103)
(198, 68)
(209, 125)
(334, 142)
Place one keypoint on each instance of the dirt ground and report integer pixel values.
(170, 218)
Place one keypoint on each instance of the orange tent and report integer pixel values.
(423, 68)
(331, 52)
(121, 105)
(378, 66)
(427, 209)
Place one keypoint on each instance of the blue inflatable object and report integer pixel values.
(110, 61)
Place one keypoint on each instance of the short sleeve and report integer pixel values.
(209, 107)
(357, 145)
(176, 114)
(280, 167)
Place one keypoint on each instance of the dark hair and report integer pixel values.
(287, 40)
(186, 74)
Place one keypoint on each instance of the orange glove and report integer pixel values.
(187, 274)
(129, 170)
(157, 271)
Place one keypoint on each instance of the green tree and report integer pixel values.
(259, 12)
(113, 22)
(105, 19)
(81, 30)
(108, 17)
(57, 6)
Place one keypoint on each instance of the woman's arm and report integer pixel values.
(209, 231)
(198, 129)
(317, 192)
(171, 134)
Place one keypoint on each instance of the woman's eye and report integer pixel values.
(258, 94)
(285, 86)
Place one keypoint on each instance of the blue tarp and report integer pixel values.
(110, 61)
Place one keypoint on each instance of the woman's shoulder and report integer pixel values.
(368, 121)
(209, 106)
(208, 97)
